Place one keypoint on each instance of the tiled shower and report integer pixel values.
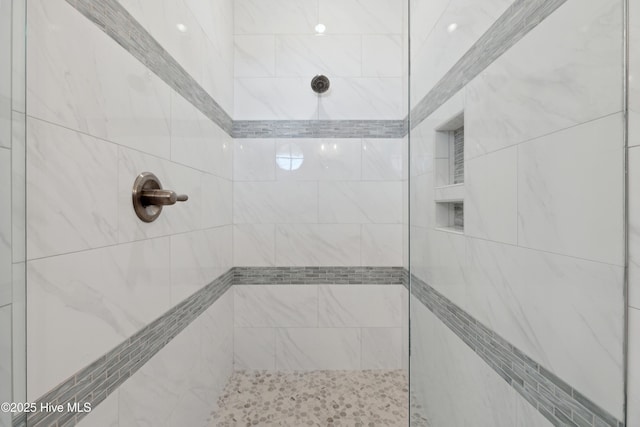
(446, 237)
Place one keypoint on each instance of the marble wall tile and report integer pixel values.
(254, 160)
(382, 348)
(216, 19)
(360, 202)
(308, 55)
(18, 55)
(382, 244)
(98, 293)
(491, 196)
(634, 227)
(255, 55)
(275, 202)
(6, 356)
(356, 17)
(550, 193)
(509, 289)
(304, 349)
(198, 142)
(356, 98)
(342, 306)
(382, 55)
(254, 245)
(275, 17)
(254, 99)
(197, 258)
(160, 19)
(106, 414)
(422, 194)
(318, 244)
(66, 212)
(180, 218)
(254, 349)
(5, 227)
(217, 337)
(89, 92)
(322, 159)
(164, 391)
(18, 188)
(634, 71)
(276, 306)
(19, 328)
(6, 17)
(633, 396)
(217, 201)
(438, 46)
(382, 159)
(506, 103)
(445, 265)
(443, 362)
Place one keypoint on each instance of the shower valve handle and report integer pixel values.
(162, 197)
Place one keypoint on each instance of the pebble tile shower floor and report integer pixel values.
(318, 398)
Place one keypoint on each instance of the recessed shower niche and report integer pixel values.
(449, 176)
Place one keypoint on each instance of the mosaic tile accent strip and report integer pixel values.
(319, 128)
(458, 156)
(560, 403)
(318, 276)
(318, 398)
(95, 382)
(520, 18)
(112, 18)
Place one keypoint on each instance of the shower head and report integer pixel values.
(320, 84)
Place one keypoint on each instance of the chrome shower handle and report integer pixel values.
(162, 197)
(148, 197)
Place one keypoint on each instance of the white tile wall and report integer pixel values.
(96, 119)
(106, 414)
(275, 306)
(576, 210)
(6, 370)
(311, 327)
(540, 261)
(435, 46)
(180, 384)
(507, 103)
(278, 52)
(5, 227)
(318, 244)
(342, 306)
(5, 73)
(633, 377)
(108, 293)
(313, 349)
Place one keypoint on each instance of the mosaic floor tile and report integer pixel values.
(319, 398)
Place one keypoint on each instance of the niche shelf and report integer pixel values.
(449, 179)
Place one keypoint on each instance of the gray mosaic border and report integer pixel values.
(520, 18)
(95, 382)
(556, 400)
(318, 276)
(320, 128)
(112, 18)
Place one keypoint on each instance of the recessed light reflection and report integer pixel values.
(452, 27)
(289, 157)
(320, 29)
(182, 28)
